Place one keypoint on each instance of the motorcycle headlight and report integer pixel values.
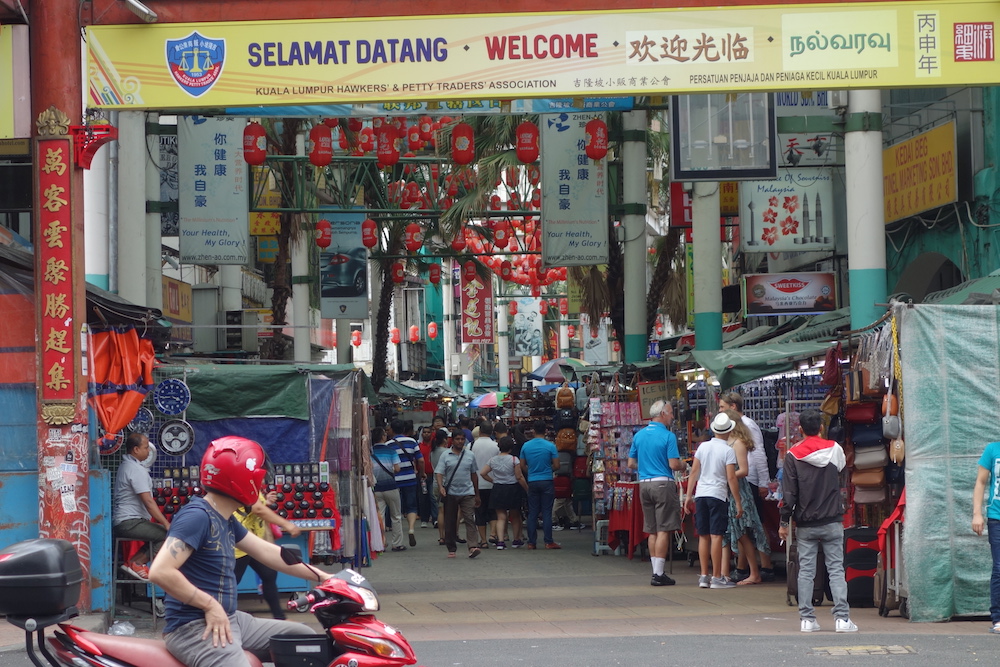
(370, 599)
(381, 647)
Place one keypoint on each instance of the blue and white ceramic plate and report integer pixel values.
(171, 396)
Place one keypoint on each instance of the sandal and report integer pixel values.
(451, 554)
(441, 543)
(474, 552)
(484, 545)
(399, 548)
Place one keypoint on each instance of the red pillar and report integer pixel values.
(60, 293)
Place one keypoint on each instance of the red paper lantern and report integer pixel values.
(540, 271)
(432, 330)
(386, 149)
(616, 346)
(513, 308)
(323, 233)
(513, 176)
(434, 273)
(506, 270)
(369, 236)
(366, 139)
(463, 144)
(413, 139)
(534, 174)
(564, 306)
(322, 145)
(426, 127)
(413, 237)
(501, 234)
(526, 145)
(469, 270)
(536, 290)
(356, 338)
(597, 139)
(254, 144)
(394, 336)
(414, 333)
(458, 243)
(398, 272)
(355, 124)
(543, 306)
(658, 328)
(571, 330)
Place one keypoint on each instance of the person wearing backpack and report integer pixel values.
(385, 466)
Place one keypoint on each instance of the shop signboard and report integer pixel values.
(169, 179)
(807, 149)
(265, 223)
(552, 55)
(477, 318)
(769, 294)
(595, 340)
(527, 328)
(343, 269)
(212, 190)
(574, 194)
(177, 309)
(453, 107)
(791, 214)
(649, 393)
(920, 174)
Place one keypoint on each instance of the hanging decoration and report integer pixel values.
(526, 145)
(414, 333)
(322, 145)
(543, 306)
(356, 338)
(398, 272)
(469, 270)
(564, 306)
(434, 273)
(432, 330)
(506, 270)
(394, 336)
(463, 144)
(413, 237)
(324, 233)
(658, 329)
(597, 139)
(571, 330)
(458, 243)
(616, 346)
(254, 144)
(369, 235)
(386, 149)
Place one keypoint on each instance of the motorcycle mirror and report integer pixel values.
(290, 557)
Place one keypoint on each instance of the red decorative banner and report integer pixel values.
(477, 310)
(58, 338)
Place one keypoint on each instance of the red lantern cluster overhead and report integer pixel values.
(434, 273)
(387, 149)
(254, 144)
(414, 333)
(458, 243)
(506, 269)
(398, 272)
(526, 143)
(597, 139)
(323, 233)
(394, 336)
(413, 237)
(501, 234)
(432, 330)
(322, 145)
(369, 233)
(463, 144)
(356, 338)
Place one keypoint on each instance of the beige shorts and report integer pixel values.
(661, 508)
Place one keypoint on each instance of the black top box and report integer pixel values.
(39, 578)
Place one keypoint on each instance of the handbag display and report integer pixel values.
(861, 413)
(831, 366)
(866, 435)
(870, 458)
(566, 440)
(866, 495)
(831, 402)
(892, 427)
(897, 450)
(874, 477)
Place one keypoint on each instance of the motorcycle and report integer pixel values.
(343, 604)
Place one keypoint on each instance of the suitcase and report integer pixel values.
(860, 565)
(821, 582)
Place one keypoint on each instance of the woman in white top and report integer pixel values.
(509, 490)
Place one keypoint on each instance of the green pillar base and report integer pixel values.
(636, 347)
(708, 331)
(468, 386)
(867, 287)
(98, 279)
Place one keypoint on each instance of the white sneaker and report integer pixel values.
(158, 608)
(846, 625)
(811, 625)
(704, 581)
(423, 524)
(722, 582)
(557, 528)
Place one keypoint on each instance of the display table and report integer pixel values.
(627, 517)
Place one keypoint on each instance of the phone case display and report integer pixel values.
(305, 495)
(764, 400)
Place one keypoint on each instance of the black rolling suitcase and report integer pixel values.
(821, 582)
(860, 565)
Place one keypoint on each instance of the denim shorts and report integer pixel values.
(408, 499)
(711, 516)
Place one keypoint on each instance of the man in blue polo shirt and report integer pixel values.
(654, 452)
(539, 460)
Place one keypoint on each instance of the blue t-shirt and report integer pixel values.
(211, 567)
(409, 456)
(385, 478)
(538, 454)
(991, 461)
(652, 447)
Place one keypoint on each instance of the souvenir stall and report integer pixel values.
(305, 417)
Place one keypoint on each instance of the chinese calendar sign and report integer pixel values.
(212, 181)
(57, 333)
(574, 194)
(477, 311)
(791, 214)
(919, 174)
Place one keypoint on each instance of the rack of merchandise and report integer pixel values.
(764, 399)
(526, 406)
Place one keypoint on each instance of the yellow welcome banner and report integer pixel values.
(631, 53)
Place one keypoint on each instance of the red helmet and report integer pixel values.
(234, 466)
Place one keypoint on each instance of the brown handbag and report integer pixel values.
(566, 440)
(873, 477)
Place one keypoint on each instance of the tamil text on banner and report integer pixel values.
(527, 328)
(789, 293)
(343, 269)
(212, 190)
(791, 214)
(574, 194)
(551, 55)
(919, 174)
(477, 316)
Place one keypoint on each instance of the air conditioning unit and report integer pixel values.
(836, 99)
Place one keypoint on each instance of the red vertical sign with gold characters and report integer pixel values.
(57, 335)
(477, 311)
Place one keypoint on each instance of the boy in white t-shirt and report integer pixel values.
(712, 479)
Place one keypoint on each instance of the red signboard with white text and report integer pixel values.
(789, 293)
(477, 310)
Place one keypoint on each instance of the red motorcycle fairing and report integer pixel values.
(134, 651)
(362, 635)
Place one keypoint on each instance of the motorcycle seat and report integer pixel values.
(139, 651)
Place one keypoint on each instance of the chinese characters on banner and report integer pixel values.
(920, 174)
(574, 194)
(477, 311)
(212, 190)
(57, 336)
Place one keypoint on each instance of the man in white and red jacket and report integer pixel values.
(811, 483)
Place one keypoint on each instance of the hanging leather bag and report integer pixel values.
(873, 477)
(869, 459)
(891, 426)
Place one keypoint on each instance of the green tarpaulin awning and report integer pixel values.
(743, 364)
(399, 390)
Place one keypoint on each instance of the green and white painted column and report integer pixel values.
(865, 207)
(636, 337)
(707, 266)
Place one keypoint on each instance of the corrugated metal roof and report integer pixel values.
(958, 294)
(819, 327)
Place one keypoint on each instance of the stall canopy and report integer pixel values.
(392, 389)
(743, 364)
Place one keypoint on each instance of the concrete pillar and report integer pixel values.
(154, 241)
(865, 207)
(132, 228)
(563, 335)
(448, 314)
(299, 250)
(468, 379)
(503, 346)
(635, 337)
(343, 333)
(95, 217)
(707, 267)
